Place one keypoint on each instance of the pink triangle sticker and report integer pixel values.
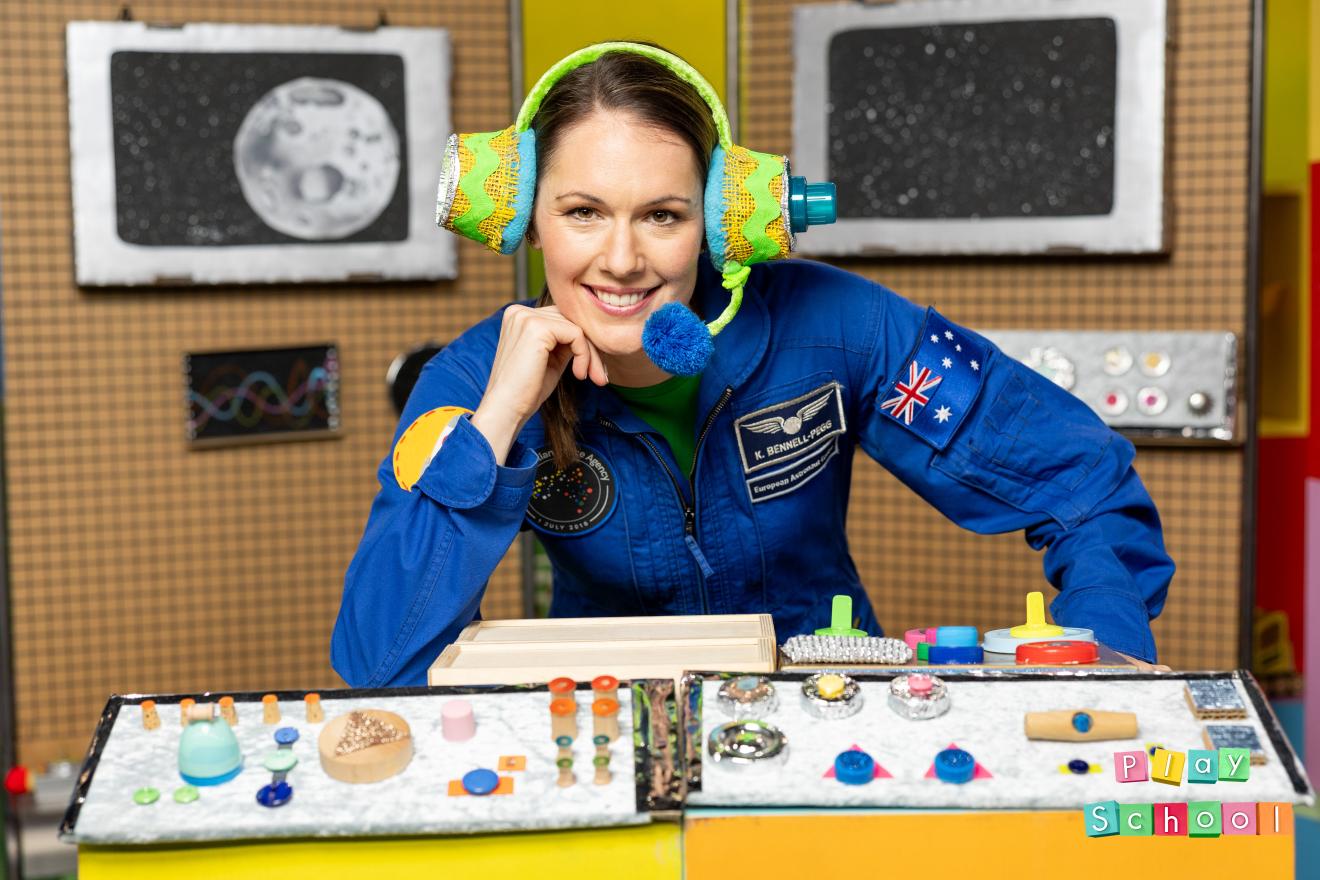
(879, 772)
(978, 773)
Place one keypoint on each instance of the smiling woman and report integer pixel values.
(655, 491)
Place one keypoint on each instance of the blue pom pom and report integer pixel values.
(677, 341)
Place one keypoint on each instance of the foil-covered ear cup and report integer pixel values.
(487, 184)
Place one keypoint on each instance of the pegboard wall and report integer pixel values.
(136, 564)
(1202, 285)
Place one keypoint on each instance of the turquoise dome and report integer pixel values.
(209, 753)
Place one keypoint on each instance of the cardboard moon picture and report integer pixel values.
(216, 154)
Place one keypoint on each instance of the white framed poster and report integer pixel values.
(986, 127)
(219, 153)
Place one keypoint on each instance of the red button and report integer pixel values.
(1058, 653)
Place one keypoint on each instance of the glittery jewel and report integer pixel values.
(363, 731)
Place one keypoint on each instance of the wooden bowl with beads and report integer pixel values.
(369, 762)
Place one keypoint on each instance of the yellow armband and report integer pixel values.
(421, 442)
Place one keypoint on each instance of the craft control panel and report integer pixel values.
(351, 763)
(983, 739)
(1161, 386)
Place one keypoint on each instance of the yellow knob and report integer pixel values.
(1035, 627)
(830, 686)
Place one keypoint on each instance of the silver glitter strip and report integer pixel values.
(847, 649)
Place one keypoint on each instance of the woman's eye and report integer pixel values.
(582, 213)
(664, 218)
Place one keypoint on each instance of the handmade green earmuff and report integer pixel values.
(752, 206)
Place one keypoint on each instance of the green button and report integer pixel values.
(186, 794)
(280, 760)
(144, 796)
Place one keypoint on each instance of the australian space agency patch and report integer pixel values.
(573, 501)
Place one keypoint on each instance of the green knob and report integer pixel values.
(840, 619)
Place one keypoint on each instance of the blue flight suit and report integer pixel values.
(817, 362)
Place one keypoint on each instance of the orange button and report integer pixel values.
(562, 706)
(605, 706)
(562, 686)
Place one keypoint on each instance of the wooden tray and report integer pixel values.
(521, 651)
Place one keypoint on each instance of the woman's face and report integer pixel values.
(618, 216)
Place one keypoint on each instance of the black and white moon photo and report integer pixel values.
(256, 154)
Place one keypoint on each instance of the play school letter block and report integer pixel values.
(1274, 818)
(1234, 765)
(1101, 818)
(1136, 820)
(1131, 766)
(1203, 766)
(1167, 767)
(1239, 818)
(1171, 820)
(1203, 819)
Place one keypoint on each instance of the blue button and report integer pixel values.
(1078, 766)
(480, 782)
(955, 765)
(854, 767)
(940, 654)
(286, 736)
(956, 636)
(1081, 722)
(277, 794)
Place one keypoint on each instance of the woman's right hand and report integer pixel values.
(535, 347)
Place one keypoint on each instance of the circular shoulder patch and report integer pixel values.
(419, 444)
(573, 501)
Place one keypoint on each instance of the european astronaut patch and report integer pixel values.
(782, 431)
(935, 389)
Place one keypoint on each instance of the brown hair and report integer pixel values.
(635, 84)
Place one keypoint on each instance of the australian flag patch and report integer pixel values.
(936, 387)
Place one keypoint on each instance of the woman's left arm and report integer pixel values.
(997, 447)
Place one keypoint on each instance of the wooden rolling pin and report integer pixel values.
(1080, 725)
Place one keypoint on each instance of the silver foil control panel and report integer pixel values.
(1156, 386)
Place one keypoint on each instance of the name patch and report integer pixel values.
(573, 501)
(782, 431)
(781, 482)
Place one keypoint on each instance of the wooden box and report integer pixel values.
(520, 651)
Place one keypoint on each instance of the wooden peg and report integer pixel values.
(1080, 725)
(150, 717)
(315, 714)
(228, 712)
(270, 709)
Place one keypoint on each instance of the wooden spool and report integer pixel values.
(371, 764)
(1058, 726)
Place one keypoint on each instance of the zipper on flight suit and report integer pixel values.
(689, 510)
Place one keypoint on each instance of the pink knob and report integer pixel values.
(914, 637)
(919, 684)
(456, 721)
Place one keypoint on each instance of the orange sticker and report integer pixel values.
(420, 443)
(505, 786)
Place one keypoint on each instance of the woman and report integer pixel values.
(725, 492)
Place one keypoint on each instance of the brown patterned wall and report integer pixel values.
(135, 564)
(1202, 285)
